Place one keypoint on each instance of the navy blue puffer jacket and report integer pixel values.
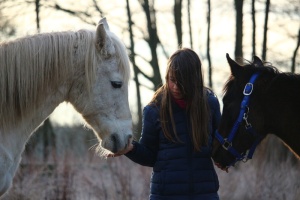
(179, 172)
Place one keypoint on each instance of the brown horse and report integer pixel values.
(258, 100)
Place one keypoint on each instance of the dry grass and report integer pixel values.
(73, 172)
(81, 178)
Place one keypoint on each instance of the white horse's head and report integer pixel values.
(100, 91)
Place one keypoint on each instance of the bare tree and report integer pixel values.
(264, 49)
(190, 22)
(152, 40)
(239, 30)
(136, 72)
(37, 12)
(210, 84)
(295, 54)
(178, 20)
(253, 28)
(85, 16)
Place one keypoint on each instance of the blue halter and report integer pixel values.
(243, 115)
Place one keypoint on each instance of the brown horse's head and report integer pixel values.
(242, 119)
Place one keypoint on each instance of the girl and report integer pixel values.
(177, 133)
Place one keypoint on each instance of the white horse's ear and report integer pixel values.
(100, 37)
(104, 22)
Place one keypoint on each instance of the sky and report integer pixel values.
(281, 36)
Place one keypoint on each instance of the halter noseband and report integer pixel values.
(243, 115)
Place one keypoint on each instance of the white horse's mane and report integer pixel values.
(31, 65)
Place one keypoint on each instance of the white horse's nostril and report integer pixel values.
(115, 142)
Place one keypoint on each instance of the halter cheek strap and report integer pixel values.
(243, 115)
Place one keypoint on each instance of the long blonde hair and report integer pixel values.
(185, 67)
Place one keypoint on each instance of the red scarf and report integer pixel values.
(181, 103)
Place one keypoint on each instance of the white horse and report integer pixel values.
(89, 69)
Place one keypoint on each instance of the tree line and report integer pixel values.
(181, 16)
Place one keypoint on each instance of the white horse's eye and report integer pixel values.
(116, 84)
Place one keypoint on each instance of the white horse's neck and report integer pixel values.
(13, 142)
(20, 134)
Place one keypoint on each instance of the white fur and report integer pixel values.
(39, 72)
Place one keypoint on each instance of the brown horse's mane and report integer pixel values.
(267, 69)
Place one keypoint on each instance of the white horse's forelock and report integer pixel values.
(31, 65)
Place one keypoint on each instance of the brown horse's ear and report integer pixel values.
(234, 67)
(100, 37)
(257, 62)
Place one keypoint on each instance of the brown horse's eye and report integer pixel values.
(116, 84)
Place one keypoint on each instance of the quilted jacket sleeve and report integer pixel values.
(215, 114)
(215, 111)
(145, 151)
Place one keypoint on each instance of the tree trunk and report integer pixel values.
(42, 144)
(295, 54)
(49, 140)
(253, 29)
(239, 30)
(37, 12)
(152, 41)
(190, 23)
(178, 22)
(208, 45)
(264, 49)
(137, 134)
